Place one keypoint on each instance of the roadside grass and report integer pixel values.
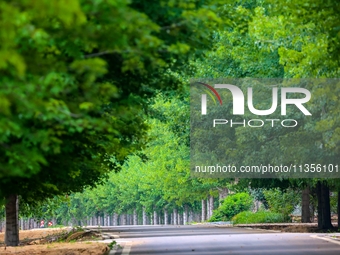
(248, 217)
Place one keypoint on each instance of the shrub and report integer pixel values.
(248, 217)
(282, 202)
(231, 206)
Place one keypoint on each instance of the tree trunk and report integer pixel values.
(185, 215)
(338, 209)
(115, 219)
(23, 226)
(12, 220)
(211, 206)
(189, 216)
(151, 218)
(108, 220)
(135, 218)
(204, 212)
(324, 211)
(222, 194)
(144, 216)
(124, 220)
(175, 217)
(208, 208)
(155, 218)
(305, 214)
(165, 217)
(319, 209)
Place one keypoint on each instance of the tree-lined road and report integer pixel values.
(213, 240)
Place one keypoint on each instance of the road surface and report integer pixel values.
(217, 240)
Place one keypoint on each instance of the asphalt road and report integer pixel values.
(214, 240)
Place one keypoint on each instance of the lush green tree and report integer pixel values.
(73, 77)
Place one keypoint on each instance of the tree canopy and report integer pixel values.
(73, 80)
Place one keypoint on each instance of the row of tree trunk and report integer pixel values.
(167, 218)
(26, 224)
(13, 224)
